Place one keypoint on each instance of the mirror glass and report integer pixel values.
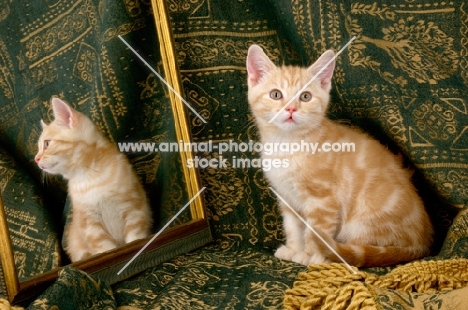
(112, 61)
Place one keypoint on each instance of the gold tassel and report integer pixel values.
(335, 287)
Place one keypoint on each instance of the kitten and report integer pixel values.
(362, 203)
(109, 205)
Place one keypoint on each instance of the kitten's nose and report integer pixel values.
(37, 159)
(290, 108)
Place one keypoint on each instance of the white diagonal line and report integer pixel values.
(314, 231)
(162, 79)
(311, 80)
(161, 230)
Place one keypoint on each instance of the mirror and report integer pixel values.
(58, 51)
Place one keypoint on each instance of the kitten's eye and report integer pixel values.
(305, 96)
(46, 144)
(276, 94)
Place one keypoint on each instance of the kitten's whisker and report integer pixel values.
(162, 79)
(161, 230)
(314, 231)
(45, 178)
(311, 80)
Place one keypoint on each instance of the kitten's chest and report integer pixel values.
(286, 174)
(302, 171)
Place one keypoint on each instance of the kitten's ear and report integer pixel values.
(324, 67)
(258, 64)
(63, 114)
(43, 124)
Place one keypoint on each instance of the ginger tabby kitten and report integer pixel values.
(362, 203)
(109, 205)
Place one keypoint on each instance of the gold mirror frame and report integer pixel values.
(170, 243)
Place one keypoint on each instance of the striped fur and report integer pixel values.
(363, 202)
(109, 204)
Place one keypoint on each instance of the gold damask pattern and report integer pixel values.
(222, 276)
(194, 9)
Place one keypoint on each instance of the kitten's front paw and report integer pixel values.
(103, 246)
(306, 259)
(135, 236)
(318, 258)
(301, 258)
(77, 255)
(284, 252)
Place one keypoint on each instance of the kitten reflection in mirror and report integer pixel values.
(363, 203)
(109, 204)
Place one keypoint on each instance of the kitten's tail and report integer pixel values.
(369, 255)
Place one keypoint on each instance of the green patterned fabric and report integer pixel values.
(32, 229)
(403, 79)
(227, 275)
(75, 289)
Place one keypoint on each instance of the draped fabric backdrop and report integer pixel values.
(404, 80)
